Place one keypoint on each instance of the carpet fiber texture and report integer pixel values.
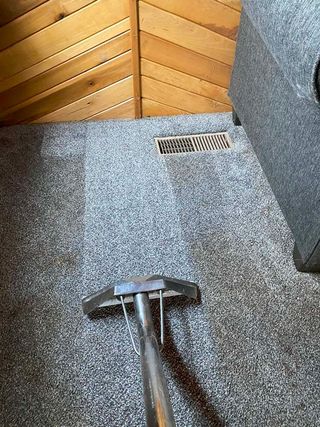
(290, 29)
(85, 205)
(283, 129)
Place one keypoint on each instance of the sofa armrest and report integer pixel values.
(291, 31)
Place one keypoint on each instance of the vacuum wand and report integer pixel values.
(158, 407)
(140, 290)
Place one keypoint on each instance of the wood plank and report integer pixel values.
(62, 34)
(66, 54)
(63, 59)
(10, 10)
(37, 19)
(208, 13)
(75, 66)
(79, 87)
(184, 60)
(184, 81)
(234, 4)
(185, 33)
(135, 56)
(152, 108)
(124, 110)
(179, 98)
(92, 104)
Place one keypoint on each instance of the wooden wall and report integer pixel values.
(187, 50)
(64, 60)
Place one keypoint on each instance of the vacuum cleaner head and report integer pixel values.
(152, 284)
(140, 290)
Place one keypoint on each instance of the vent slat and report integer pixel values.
(222, 141)
(198, 143)
(213, 142)
(193, 143)
(216, 142)
(207, 143)
(203, 144)
(219, 144)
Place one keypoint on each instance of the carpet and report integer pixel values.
(84, 205)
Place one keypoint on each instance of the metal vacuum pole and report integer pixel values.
(140, 290)
(158, 407)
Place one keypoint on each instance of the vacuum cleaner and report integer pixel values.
(139, 291)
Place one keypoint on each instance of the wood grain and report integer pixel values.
(135, 48)
(100, 59)
(124, 110)
(185, 33)
(10, 10)
(37, 19)
(234, 4)
(209, 13)
(184, 81)
(79, 87)
(65, 71)
(179, 98)
(92, 104)
(184, 60)
(153, 108)
(66, 54)
(61, 35)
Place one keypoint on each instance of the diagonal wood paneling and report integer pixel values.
(62, 34)
(100, 59)
(39, 18)
(207, 13)
(10, 10)
(65, 54)
(80, 86)
(123, 110)
(185, 33)
(92, 104)
(234, 4)
(154, 108)
(61, 52)
(88, 60)
(184, 60)
(172, 96)
(184, 81)
(187, 50)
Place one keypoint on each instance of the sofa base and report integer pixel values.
(284, 131)
(235, 118)
(302, 266)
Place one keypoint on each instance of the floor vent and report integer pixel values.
(193, 143)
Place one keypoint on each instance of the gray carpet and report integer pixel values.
(84, 205)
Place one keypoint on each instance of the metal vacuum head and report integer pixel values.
(127, 288)
(139, 290)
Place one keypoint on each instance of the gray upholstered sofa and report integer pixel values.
(275, 91)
